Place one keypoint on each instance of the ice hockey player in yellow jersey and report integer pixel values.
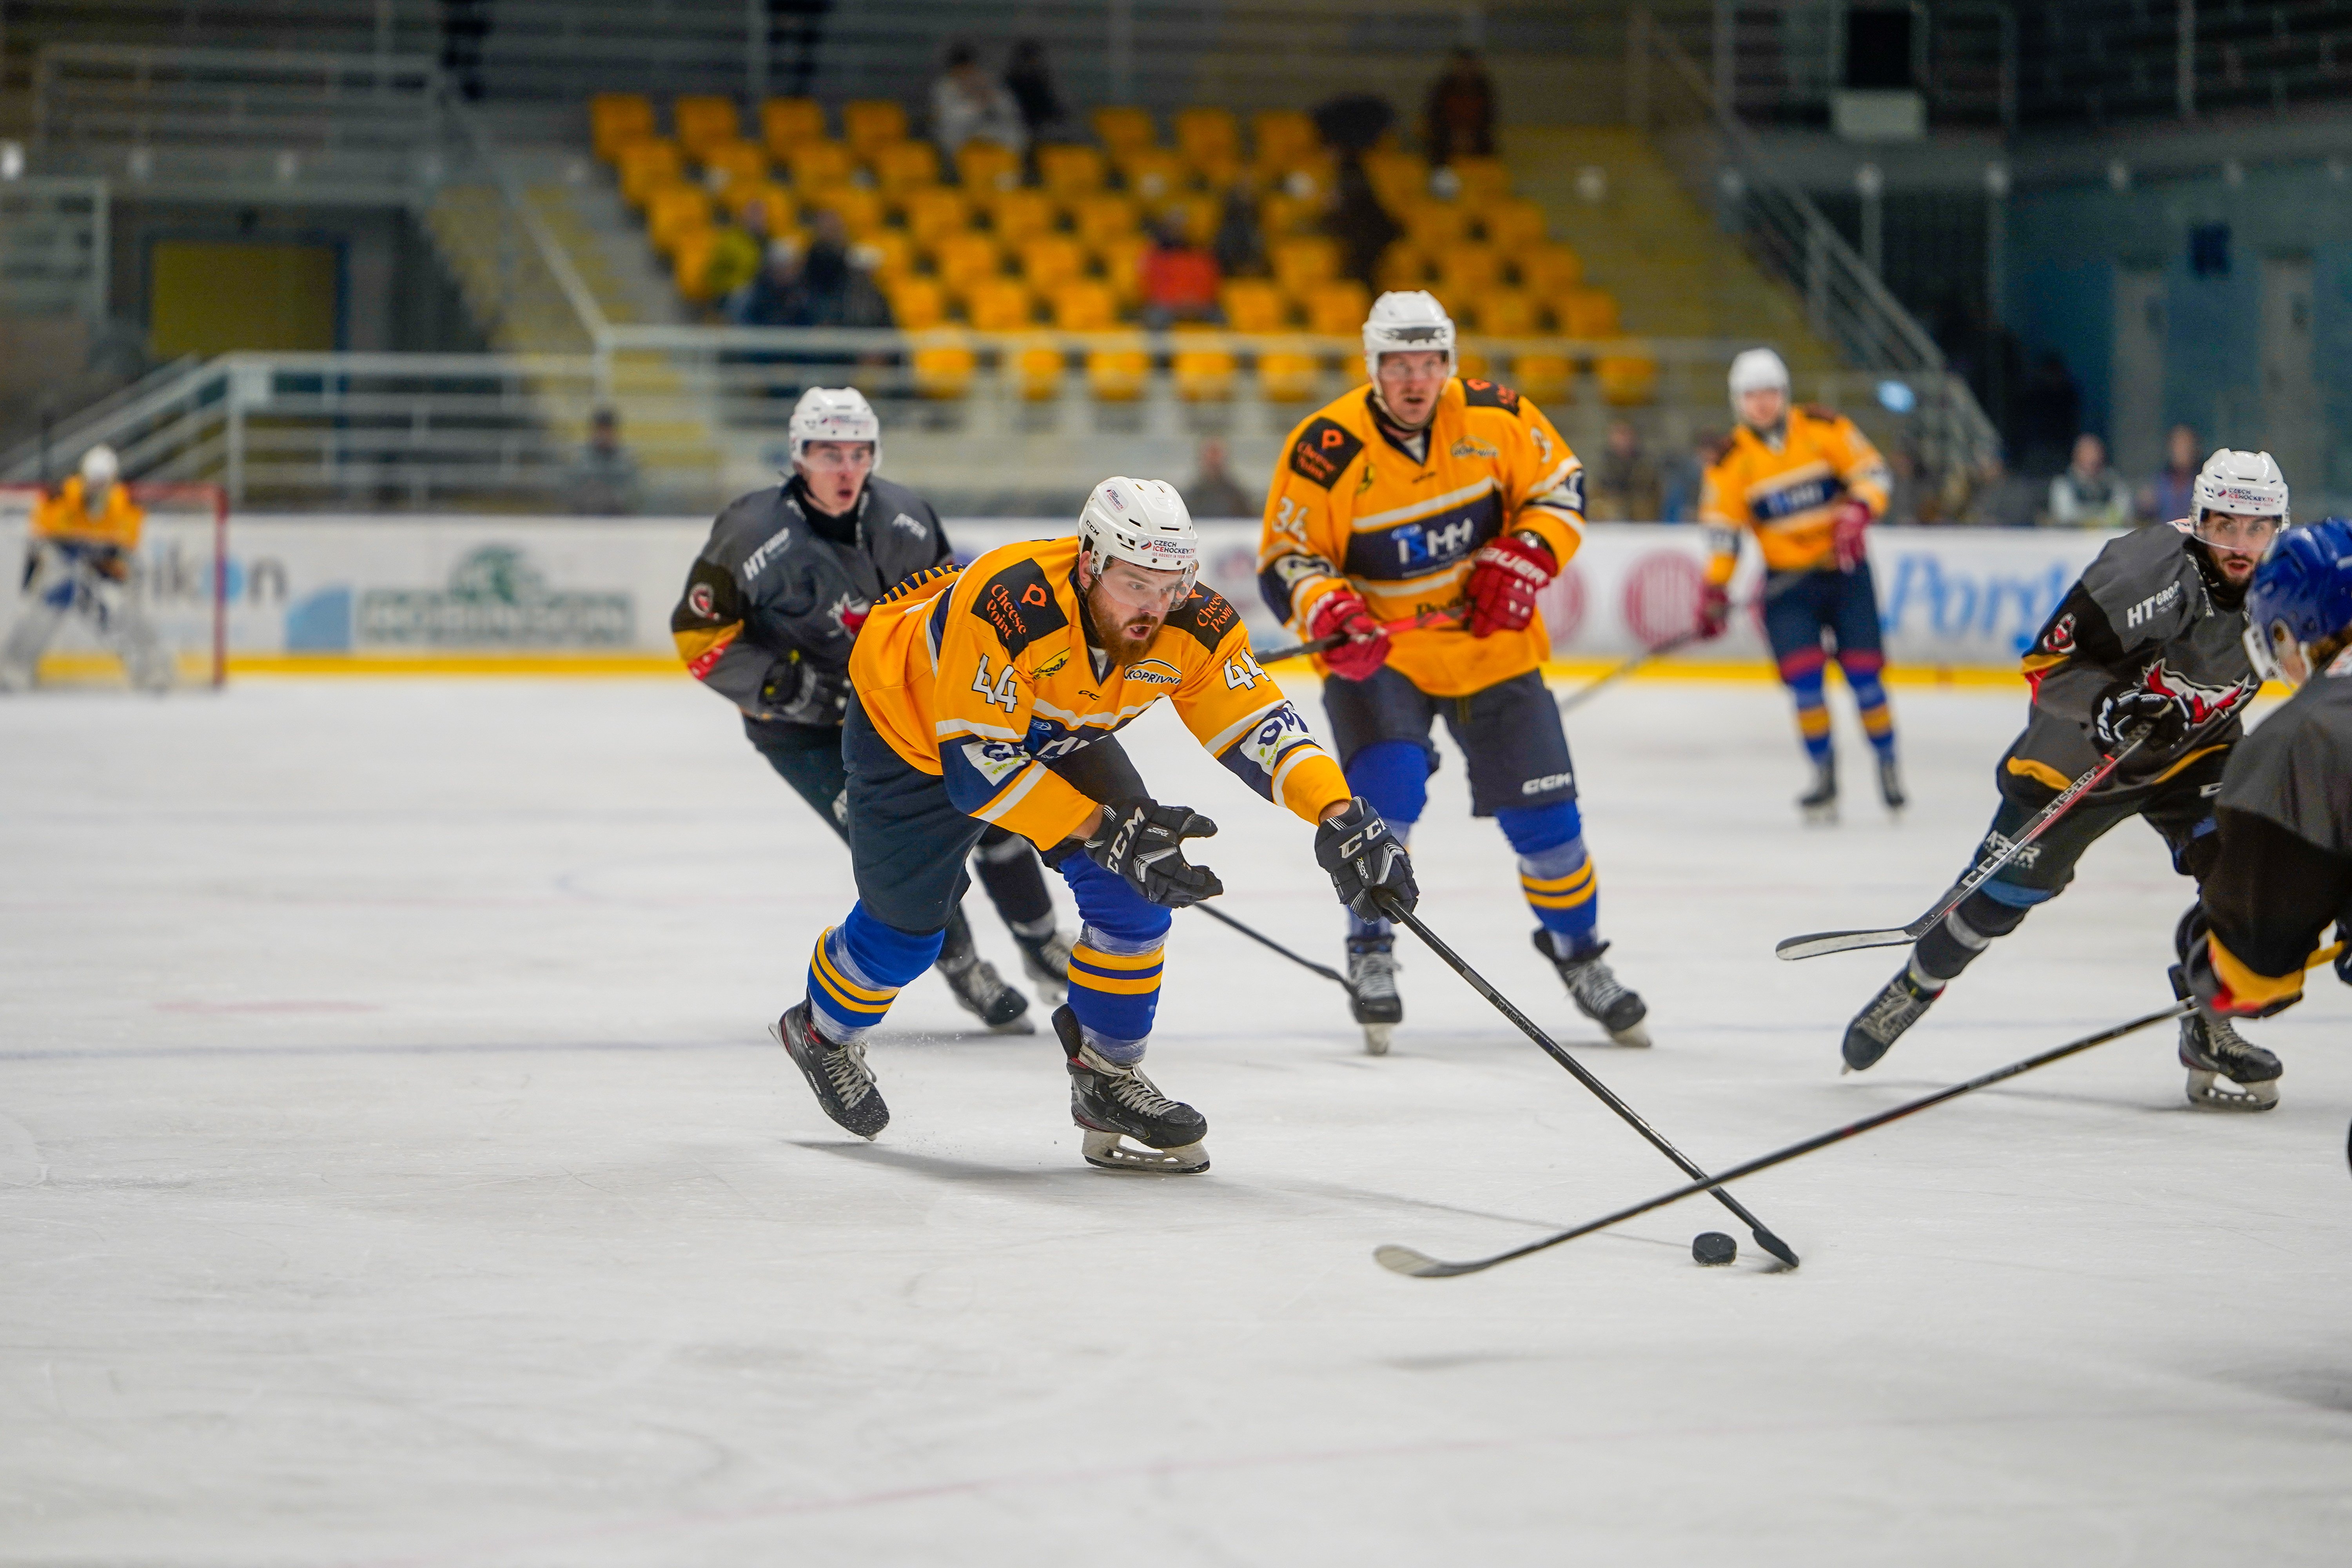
(78, 556)
(993, 696)
(1446, 503)
(1807, 483)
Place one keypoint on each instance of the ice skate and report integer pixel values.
(1820, 802)
(1372, 992)
(1890, 785)
(978, 989)
(837, 1075)
(1876, 1027)
(2226, 1071)
(1046, 961)
(1598, 995)
(1110, 1103)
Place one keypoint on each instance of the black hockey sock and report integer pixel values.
(956, 947)
(1016, 884)
(1955, 940)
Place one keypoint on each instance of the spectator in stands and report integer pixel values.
(1215, 492)
(2090, 494)
(1679, 486)
(603, 482)
(736, 258)
(464, 25)
(1030, 80)
(1998, 499)
(1240, 244)
(838, 277)
(1461, 119)
(775, 298)
(1180, 279)
(970, 105)
(2167, 495)
(1362, 225)
(1623, 486)
(2049, 417)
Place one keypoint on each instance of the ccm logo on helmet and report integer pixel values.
(1549, 780)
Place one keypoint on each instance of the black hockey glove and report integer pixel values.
(2194, 975)
(798, 692)
(1364, 856)
(2127, 707)
(1143, 842)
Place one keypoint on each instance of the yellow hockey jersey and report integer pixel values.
(1351, 508)
(985, 678)
(64, 517)
(1789, 493)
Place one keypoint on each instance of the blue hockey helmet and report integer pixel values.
(2300, 594)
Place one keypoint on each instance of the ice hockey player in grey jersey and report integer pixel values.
(771, 610)
(2148, 644)
(2282, 867)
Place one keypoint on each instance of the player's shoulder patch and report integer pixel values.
(1019, 604)
(1819, 414)
(1720, 448)
(1479, 392)
(1323, 451)
(1208, 617)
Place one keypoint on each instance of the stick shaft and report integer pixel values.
(1325, 644)
(1257, 936)
(1592, 688)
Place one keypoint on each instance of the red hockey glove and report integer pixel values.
(1846, 526)
(1714, 611)
(1505, 579)
(1367, 645)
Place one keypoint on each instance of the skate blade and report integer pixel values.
(1376, 1039)
(776, 1033)
(1636, 1036)
(1820, 816)
(2214, 1091)
(1105, 1151)
(1021, 1022)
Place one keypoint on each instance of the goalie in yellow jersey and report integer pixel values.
(78, 561)
(1426, 497)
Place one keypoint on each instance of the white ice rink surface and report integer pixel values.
(393, 1169)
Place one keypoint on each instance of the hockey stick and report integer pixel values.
(1592, 688)
(1405, 916)
(1421, 1266)
(1331, 974)
(1325, 643)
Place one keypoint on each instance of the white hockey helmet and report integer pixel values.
(1753, 370)
(100, 467)
(1144, 522)
(2248, 483)
(834, 414)
(1404, 319)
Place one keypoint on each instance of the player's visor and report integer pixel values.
(2234, 531)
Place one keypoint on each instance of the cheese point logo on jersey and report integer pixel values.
(1323, 451)
(1019, 606)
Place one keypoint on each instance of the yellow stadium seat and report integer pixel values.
(1208, 138)
(1123, 129)
(1403, 266)
(820, 162)
(1586, 312)
(1300, 264)
(1070, 171)
(786, 122)
(1036, 371)
(1120, 262)
(987, 166)
(1549, 270)
(778, 211)
(1117, 374)
(1105, 217)
(1627, 379)
(1484, 180)
(935, 212)
(1287, 377)
(870, 124)
(618, 119)
(1432, 226)
(674, 210)
(690, 263)
(1399, 180)
(1284, 137)
(888, 252)
(1050, 260)
(1471, 365)
(1200, 216)
(1000, 305)
(727, 163)
(1549, 380)
(1280, 215)
(1203, 376)
(1469, 270)
(901, 168)
(702, 120)
(1338, 307)
(1513, 225)
(1153, 175)
(647, 165)
(860, 206)
(1017, 215)
(1503, 312)
(917, 304)
(1251, 305)
(943, 371)
(1084, 305)
(965, 260)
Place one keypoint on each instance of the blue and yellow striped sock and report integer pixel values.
(1115, 992)
(856, 970)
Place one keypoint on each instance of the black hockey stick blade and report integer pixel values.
(1331, 974)
(1421, 1266)
(1576, 1069)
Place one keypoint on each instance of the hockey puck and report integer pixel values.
(1713, 1248)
